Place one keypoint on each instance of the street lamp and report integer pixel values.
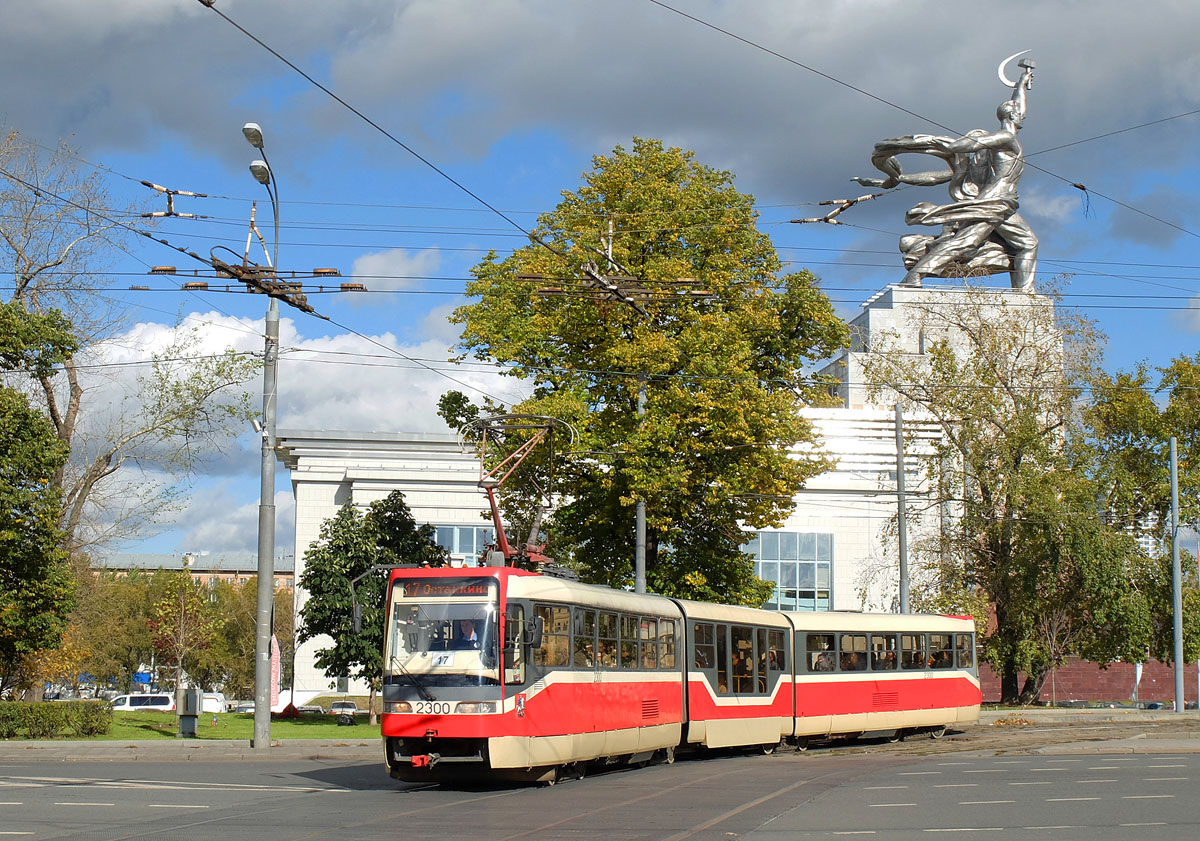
(261, 171)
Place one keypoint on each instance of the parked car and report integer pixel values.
(310, 709)
(347, 707)
(244, 707)
(142, 702)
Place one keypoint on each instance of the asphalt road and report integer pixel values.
(1102, 784)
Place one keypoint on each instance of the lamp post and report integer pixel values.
(266, 506)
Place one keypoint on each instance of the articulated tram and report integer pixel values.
(498, 671)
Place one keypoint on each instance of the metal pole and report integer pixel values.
(901, 507)
(266, 538)
(1176, 580)
(639, 576)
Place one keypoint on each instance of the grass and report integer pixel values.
(130, 726)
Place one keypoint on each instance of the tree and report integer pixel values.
(57, 234)
(113, 618)
(351, 543)
(1004, 378)
(36, 586)
(718, 338)
(182, 625)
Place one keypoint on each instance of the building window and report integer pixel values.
(464, 543)
(799, 563)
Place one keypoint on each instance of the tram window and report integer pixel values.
(883, 652)
(666, 643)
(743, 658)
(775, 654)
(963, 650)
(629, 642)
(722, 635)
(760, 660)
(608, 640)
(912, 651)
(820, 652)
(706, 652)
(585, 639)
(853, 650)
(556, 636)
(649, 643)
(941, 651)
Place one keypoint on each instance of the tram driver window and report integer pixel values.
(819, 648)
(912, 651)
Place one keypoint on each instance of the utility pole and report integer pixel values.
(639, 554)
(901, 510)
(1176, 580)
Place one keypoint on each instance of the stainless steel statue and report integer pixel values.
(982, 232)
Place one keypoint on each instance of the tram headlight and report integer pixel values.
(476, 707)
(397, 707)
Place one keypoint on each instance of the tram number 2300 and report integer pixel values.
(432, 708)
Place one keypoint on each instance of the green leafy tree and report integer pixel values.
(1004, 382)
(37, 589)
(350, 543)
(719, 337)
(113, 617)
(182, 625)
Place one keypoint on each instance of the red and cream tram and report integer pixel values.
(503, 672)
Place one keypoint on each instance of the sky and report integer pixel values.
(507, 101)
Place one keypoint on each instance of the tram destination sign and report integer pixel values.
(448, 588)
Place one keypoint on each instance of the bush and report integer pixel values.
(89, 718)
(44, 720)
(10, 719)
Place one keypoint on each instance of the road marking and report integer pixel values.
(880, 788)
(1103, 768)
(889, 805)
(1150, 823)
(1163, 779)
(967, 829)
(987, 771)
(1095, 781)
(918, 773)
(955, 763)
(1167, 766)
(85, 804)
(1146, 796)
(983, 802)
(957, 785)
(173, 806)
(1035, 783)
(1068, 799)
(15, 833)
(10, 803)
(855, 832)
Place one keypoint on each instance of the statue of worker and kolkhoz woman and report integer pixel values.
(982, 232)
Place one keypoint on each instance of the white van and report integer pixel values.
(143, 702)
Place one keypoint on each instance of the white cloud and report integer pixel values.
(219, 520)
(395, 268)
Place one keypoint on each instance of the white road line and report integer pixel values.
(1103, 768)
(1034, 783)
(889, 805)
(15, 833)
(955, 763)
(1150, 823)
(1167, 766)
(10, 803)
(173, 806)
(983, 802)
(855, 832)
(957, 785)
(1068, 799)
(918, 773)
(967, 829)
(1095, 781)
(1147, 796)
(85, 804)
(1163, 779)
(986, 771)
(881, 788)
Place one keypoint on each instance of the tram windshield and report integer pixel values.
(442, 632)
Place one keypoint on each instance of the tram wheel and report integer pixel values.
(666, 756)
(898, 736)
(937, 732)
(768, 749)
(801, 744)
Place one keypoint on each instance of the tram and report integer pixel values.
(511, 673)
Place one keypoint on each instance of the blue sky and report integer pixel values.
(512, 98)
